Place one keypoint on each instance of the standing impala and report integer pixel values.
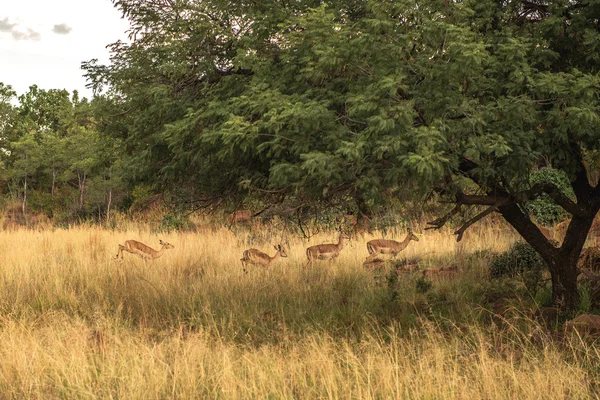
(140, 249)
(326, 251)
(254, 256)
(383, 246)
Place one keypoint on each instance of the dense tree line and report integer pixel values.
(55, 159)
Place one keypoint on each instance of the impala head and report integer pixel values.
(166, 245)
(412, 236)
(281, 250)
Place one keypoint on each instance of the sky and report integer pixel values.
(43, 42)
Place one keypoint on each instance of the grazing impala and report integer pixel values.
(140, 249)
(253, 256)
(326, 251)
(383, 246)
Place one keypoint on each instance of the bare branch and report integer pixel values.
(473, 220)
(440, 222)
(482, 200)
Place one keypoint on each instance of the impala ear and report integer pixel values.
(161, 242)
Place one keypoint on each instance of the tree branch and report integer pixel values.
(558, 196)
(482, 200)
(440, 222)
(473, 220)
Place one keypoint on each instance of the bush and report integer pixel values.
(423, 285)
(544, 209)
(521, 260)
(172, 222)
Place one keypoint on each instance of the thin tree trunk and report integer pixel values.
(81, 178)
(24, 206)
(53, 182)
(108, 206)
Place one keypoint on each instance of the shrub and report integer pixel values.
(423, 285)
(521, 260)
(544, 209)
(172, 222)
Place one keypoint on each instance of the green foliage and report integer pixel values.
(423, 285)
(543, 297)
(171, 222)
(521, 260)
(544, 209)
(348, 98)
(141, 196)
(585, 297)
(52, 144)
(41, 202)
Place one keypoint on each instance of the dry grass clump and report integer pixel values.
(76, 323)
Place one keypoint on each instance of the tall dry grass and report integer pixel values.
(75, 323)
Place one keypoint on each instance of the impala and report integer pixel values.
(140, 249)
(383, 246)
(239, 217)
(441, 272)
(326, 251)
(257, 257)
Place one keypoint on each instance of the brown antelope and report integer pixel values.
(327, 251)
(141, 250)
(383, 246)
(441, 272)
(594, 233)
(254, 256)
(239, 217)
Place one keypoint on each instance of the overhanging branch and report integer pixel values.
(440, 222)
(473, 220)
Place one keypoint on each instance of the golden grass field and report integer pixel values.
(75, 323)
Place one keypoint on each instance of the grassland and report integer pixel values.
(75, 323)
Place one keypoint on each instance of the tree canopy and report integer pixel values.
(365, 98)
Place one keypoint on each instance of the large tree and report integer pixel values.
(363, 98)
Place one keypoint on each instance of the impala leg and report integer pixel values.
(244, 266)
(120, 251)
(310, 261)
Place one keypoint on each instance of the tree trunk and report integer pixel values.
(567, 291)
(81, 179)
(108, 206)
(53, 182)
(563, 271)
(562, 262)
(24, 206)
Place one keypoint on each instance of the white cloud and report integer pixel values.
(29, 34)
(5, 26)
(62, 29)
(17, 32)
